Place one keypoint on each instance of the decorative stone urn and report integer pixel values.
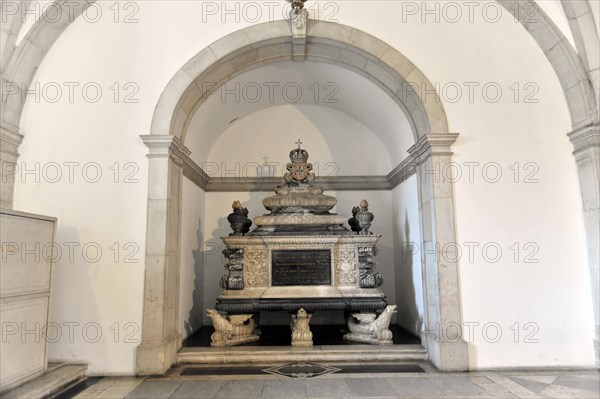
(238, 219)
(364, 217)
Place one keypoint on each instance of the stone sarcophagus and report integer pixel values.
(313, 272)
(300, 258)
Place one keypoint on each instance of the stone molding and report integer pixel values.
(194, 172)
(301, 242)
(583, 27)
(438, 144)
(166, 146)
(432, 144)
(10, 140)
(299, 219)
(586, 138)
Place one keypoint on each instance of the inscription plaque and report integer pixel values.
(300, 267)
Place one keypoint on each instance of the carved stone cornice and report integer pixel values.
(10, 140)
(162, 146)
(336, 183)
(433, 144)
(586, 138)
(301, 241)
(403, 171)
(194, 172)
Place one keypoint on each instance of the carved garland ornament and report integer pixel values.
(255, 267)
(346, 273)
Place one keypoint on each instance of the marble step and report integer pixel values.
(279, 354)
(57, 377)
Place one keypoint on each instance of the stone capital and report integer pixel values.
(433, 144)
(162, 146)
(585, 138)
(10, 140)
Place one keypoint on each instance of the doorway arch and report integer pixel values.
(251, 48)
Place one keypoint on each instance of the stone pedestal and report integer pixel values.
(28, 252)
(301, 334)
(370, 328)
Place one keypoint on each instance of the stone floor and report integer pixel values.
(415, 380)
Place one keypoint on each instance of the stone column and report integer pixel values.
(10, 140)
(443, 325)
(586, 142)
(160, 333)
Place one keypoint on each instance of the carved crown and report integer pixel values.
(298, 155)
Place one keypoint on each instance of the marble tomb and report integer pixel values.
(301, 258)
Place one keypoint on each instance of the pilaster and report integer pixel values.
(160, 334)
(10, 140)
(586, 144)
(443, 334)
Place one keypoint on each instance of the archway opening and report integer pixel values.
(256, 47)
(243, 133)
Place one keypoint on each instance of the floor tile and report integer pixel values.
(507, 383)
(197, 389)
(234, 389)
(114, 393)
(284, 388)
(579, 382)
(559, 391)
(371, 387)
(328, 387)
(154, 390)
(533, 386)
(126, 382)
(414, 387)
(457, 386)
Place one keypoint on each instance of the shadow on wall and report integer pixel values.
(408, 313)
(214, 260)
(194, 322)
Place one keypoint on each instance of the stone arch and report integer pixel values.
(328, 42)
(19, 65)
(250, 48)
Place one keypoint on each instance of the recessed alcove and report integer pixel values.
(244, 131)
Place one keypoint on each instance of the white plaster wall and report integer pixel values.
(553, 293)
(407, 257)
(300, 85)
(337, 144)
(192, 259)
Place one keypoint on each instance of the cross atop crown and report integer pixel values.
(298, 155)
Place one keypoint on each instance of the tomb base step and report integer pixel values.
(285, 354)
